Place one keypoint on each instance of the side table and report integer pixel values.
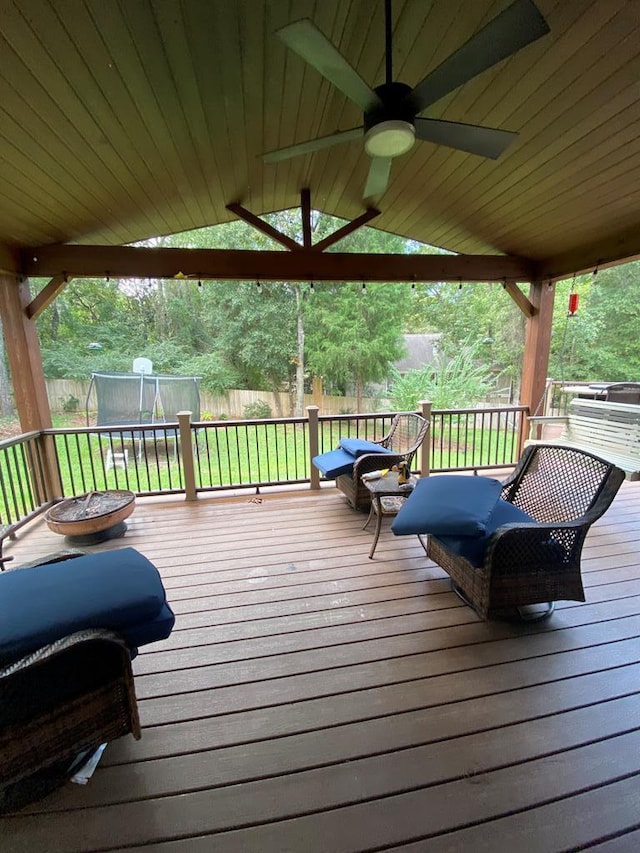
(387, 498)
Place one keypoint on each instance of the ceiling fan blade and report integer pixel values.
(514, 28)
(312, 145)
(378, 177)
(305, 39)
(476, 139)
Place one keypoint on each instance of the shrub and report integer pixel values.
(259, 409)
(451, 382)
(71, 404)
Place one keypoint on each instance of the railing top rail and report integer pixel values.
(20, 439)
(469, 411)
(171, 425)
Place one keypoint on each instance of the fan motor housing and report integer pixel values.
(395, 105)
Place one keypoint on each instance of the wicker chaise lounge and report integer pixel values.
(518, 543)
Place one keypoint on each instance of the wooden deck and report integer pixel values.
(310, 699)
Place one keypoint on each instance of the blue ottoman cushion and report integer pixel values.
(118, 590)
(448, 505)
(334, 463)
(474, 548)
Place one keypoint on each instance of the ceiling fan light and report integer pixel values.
(389, 138)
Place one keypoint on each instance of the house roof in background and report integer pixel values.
(421, 350)
(122, 121)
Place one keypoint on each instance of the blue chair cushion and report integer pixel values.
(152, 630)
(448, 505)
(119, 590)
(474, 548)
(359, 446)
(341, 461)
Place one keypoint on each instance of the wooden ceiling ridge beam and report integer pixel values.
(46, 295)
(348, 228)
(264, 227)
(79, 261)
(305, 210)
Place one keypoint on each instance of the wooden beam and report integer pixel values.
(138, 262)
(46, 295)
(264, 227)
(9, 259)
(349, 228)
(305, 211)
(609, 252)
(536, 346)
(30, 390)
(519, 298)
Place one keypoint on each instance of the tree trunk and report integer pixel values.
(359, 394)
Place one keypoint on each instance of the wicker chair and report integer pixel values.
(406, 434)
(623, 392)
(565, 490)
(70, 687)
(57, 703)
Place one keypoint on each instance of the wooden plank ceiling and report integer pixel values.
(121, 121)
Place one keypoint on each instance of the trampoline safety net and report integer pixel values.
(136, 398)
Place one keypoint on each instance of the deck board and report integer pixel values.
(312, 699)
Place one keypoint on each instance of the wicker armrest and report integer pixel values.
(533, 544)
(50, 559)
(69, 696)
(375, 462)
(58, 648)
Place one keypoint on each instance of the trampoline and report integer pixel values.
(125, 400)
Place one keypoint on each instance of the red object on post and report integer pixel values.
(574, 298)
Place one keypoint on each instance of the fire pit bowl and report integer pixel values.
(93, 517)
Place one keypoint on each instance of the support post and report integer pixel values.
(536, 349)
(29, 388)
(318, 391)
(314, 474)
(186, 453)
(424, 453)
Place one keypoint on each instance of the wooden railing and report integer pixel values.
(197, 457)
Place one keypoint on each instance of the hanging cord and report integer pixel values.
(563, 342)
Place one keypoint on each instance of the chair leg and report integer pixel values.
(514, 614)
(536, 615)
(376, 536)
(458, 591)
(366, 524)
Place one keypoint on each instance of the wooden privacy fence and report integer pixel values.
(63, 392)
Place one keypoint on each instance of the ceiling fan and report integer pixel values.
(391, 111)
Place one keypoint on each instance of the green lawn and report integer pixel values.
(227, 455)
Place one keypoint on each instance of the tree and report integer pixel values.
(600, 341)
(254, 332)
(481, 315)
(355, 332)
